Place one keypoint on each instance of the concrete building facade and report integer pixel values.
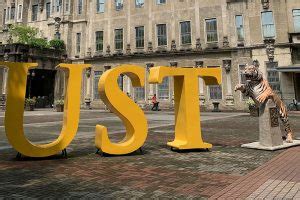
(180, 33)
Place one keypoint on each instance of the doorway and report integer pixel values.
(40, 85)
(297, 86)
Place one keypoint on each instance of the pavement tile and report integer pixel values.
(158, 174)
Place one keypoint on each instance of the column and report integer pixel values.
(151, 92)
(197, 21)
(128, 30)
(4, 81)
(150, 27)
(229, 96)
(109, 31)
(87, 98)
(199, 64)
(171, 83)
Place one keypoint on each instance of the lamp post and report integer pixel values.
(30, 77)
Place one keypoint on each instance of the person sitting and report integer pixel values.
(155, 103)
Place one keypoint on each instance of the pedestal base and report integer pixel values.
(202, 99)
(183, 146)
(229, 100)
(257, 145)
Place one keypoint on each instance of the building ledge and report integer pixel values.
(22, 50)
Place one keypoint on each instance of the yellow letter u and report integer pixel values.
(16, 88)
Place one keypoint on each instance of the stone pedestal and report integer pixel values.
(270, 136)
(269, 130)
(229, 100)
(202, 99)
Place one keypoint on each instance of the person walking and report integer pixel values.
(155, 103)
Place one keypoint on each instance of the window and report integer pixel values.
(4, 16)
(119, 4)
(119, 39)
(211, 30)
(239, 27)
(185, 28)
(268, 24)
(273, 76)
(296, 15)
(57, 35)
(99, 41)
(20, 12)
(97, 75)
(100, 6)
(162, 35)
(78, 42)
(163, 89)
(139, 37)
(58, 4)
(139, 93)
(48, 10)
(80, 2)
(139, 3)
(8, 14)
(160, 2)
(12, 13)
(34, 12)
(215, 91)
(67, 5)
(242, 79)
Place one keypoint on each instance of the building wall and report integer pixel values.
(172, 13)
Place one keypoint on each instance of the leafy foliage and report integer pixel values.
(57, 44)
(28, 35)
(250, 103)
(59, 102)
(39, 43)
(24, 34)
(29, 101)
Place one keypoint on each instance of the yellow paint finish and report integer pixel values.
(187, 112)
(16, 89)
(118, 102)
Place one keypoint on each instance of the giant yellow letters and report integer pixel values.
(117, 101)
(187, 112)
(16, 88)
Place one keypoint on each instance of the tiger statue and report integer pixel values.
(258, 89)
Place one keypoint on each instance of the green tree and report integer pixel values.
(24, 34)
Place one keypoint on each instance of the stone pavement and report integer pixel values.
(277, 179)
(159, 173)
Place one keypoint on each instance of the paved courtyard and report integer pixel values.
(159, 173)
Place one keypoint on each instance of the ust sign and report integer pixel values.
(187, 118)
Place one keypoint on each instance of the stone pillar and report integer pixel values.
(128, 85)
(58, 93)
(87, 98)
(199, 64)
(151, 92)
(171, 83)
(269, 129)
(4, 81)
(128, 28)
(229, 96)
(150, 23)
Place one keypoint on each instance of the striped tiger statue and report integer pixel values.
(258, 89)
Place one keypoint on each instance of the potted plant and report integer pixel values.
(254, 110)
(59, 105)
(29, 104)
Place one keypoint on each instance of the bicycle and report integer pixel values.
(293, 106)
